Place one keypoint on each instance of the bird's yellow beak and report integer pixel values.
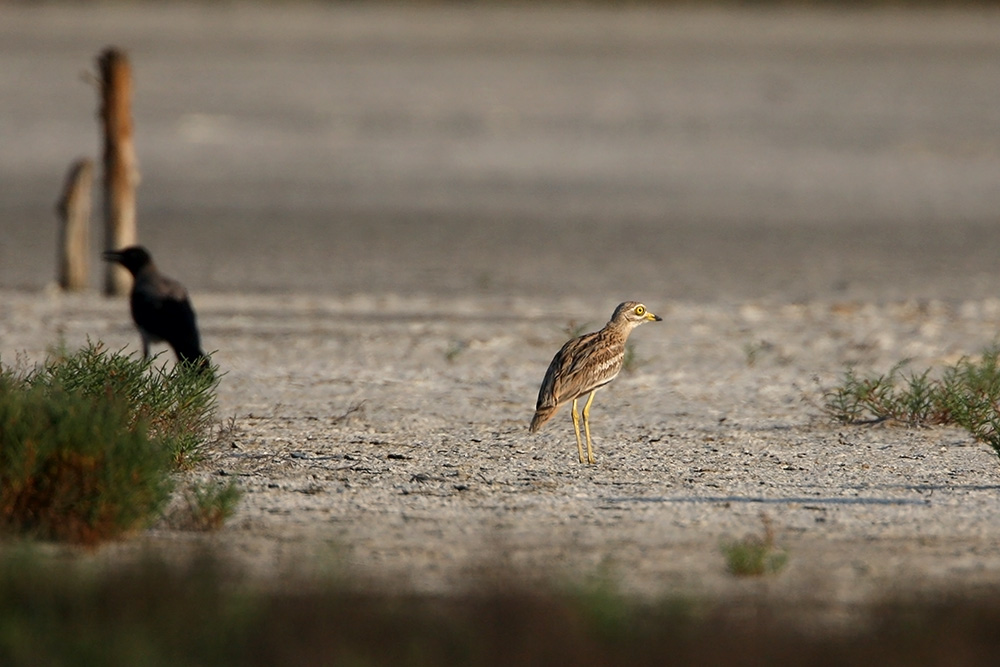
(653, 318)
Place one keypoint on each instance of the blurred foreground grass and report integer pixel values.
(202, 613)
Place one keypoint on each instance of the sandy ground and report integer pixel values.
(388, 220)
(388, 437)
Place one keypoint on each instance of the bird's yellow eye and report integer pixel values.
(640, 311)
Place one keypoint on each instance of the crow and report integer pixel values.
(160, 307)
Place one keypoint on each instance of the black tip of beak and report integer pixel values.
(657, 318)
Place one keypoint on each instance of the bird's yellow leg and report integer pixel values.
(576, 427)
(586, 427)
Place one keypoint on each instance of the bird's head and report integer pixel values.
(632, 314)
(134, 258)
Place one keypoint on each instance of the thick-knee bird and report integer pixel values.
(586, 364)
(160, 306)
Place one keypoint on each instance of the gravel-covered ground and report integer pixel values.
(389, 219)
(388, 437)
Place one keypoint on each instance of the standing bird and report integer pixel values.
(160, 307)
(586, 364)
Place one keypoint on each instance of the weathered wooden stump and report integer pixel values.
(74, 230)
(121, 174)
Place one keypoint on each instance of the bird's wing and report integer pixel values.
(161, 307)
(581, 365)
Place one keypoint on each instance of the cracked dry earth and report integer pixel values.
(386, 439)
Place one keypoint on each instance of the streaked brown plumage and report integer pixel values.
(586, 364)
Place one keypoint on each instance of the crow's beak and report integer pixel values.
(111, 256)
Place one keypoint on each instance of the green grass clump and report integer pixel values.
(755, 555)
(89, 441)
(74, 467)
(966, 394)
(574, 329)
(210, 504)
(177, 405)
(630, 360)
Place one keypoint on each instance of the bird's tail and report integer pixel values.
(542, 415)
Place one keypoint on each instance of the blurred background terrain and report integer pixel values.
(694, 153)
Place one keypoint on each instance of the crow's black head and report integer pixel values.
(134, 258)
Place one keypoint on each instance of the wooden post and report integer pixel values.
(121, 173)
(74, 230)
